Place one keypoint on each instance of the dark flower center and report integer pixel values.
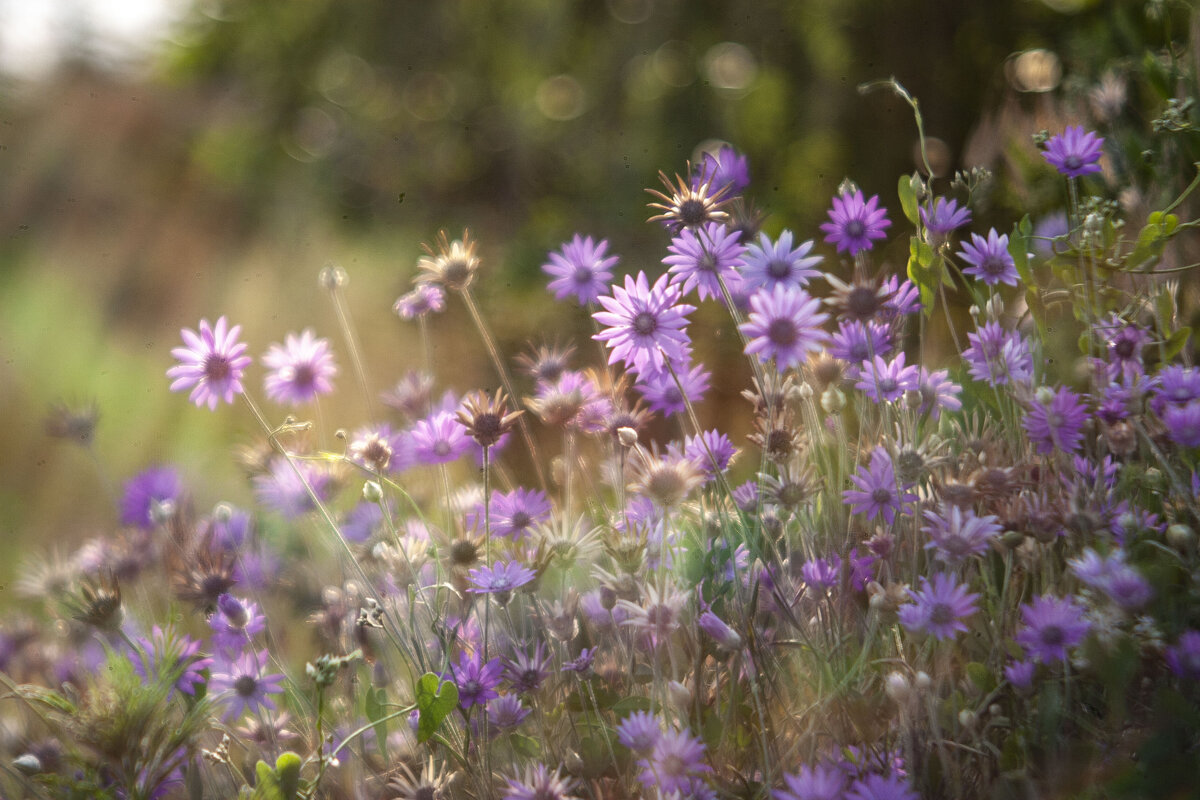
(1072, 162)
(486, 428)
(645, 323)
(782, 332)
(862, 301)
(792, 495)
(303, 375)
(707, 262)
(673, 765)
(455, 272)
(778, 269)
(217, 368)
(1124, 348)
(692, 213)
(888, 385)
(442, 448)
(583, 275)
(245, 685)
(941, 614)
(521, 519)
(1053, 635)
(470, 688)
(994, 266)
(855, 229)
(881, 496)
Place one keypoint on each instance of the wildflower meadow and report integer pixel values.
(943, 545)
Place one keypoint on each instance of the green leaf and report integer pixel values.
(287, 770)
(981, 676)
(435, 700)
(926, 280)
(525, 745)
(376, 710)
(627, 705)
(1151, 241)
(1175, 343)
(1018, 248)
(908, 197)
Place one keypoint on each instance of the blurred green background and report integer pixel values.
(253, 142)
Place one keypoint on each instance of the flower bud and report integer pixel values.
(628, 437)
(1180, 536)
(923, 682)
(898, 688)
(1044, 395)
(372, 492)
(833, 400)
(967, 718)
(232, 609)
(681, 696)
(805, 391)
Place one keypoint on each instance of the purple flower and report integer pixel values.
(901, 298)
(663, 395)
(1046, 230)
(168, 654)
(525, 672)
(711, 451)
(878, 493)
(1184, 656)
(640, 731)
(507, 712)
(499, 578)
(957, 535)
(822, 574)
(582, 663)
(235, 623)
(877, 787)
(945, 216)
(439, 439)
(211, 364)
(148, 494)
(1052, 625)
(1183, 424)
(1020, 674)
(939, 608)
(938, 392)
(642, 323)
(719, 630)
(727, 170)
(249, 687)
(784, 324)
(424, 299)
(284, 491)
(1074, 152)
(887, 381)
(989, 259)
(813, 783)
(516, 513)
(701, 258)
(857, 342)
(1119, 581)
(581, 268)
(1057, 422)
(765, 265)
(1123, 343)
(539, 783)
(476, 681)
(854, 225)
(996, 356)
(1176, 385)
(675, 759)
(299, 369)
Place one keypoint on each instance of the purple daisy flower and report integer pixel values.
(476, 681)
(1183, 424)
(1074, 152)
(1020, 674)
(643, 322)
(525, 672)
(877, 787)
(822, 574)
(719, 630)
(1183, 657)
(424, 299)
(300, 369)
(661, 393)
(675, 759)
(284, 491)
(855, 224)
(235, 624)
(640, 731)
(856, 342)
(582, 268)
(711, 451)
(582, 663)
(944, 216)
(1046, 230)
(938, 392)
(248, 686)
(167, 654)
(539, 783)
(211, 364)
(727, 173)
(516, 513)
(901, 298)
(884, 381)
(996, 356)
(784, 324)
(765, 264)
(507, 712)
(701, 258)
(989, 259)
(1123, 343)
(878, 493)
(813, 783)
(957, 535)
(1056, 422)
(499, 578)
(1176, 385)
(439, 439)
(939, 608)
(149, 495)
(1052, 625)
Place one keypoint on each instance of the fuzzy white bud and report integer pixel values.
(898, 688)
(372, 492)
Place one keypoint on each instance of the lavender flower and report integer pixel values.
(476, 681)
(235, 624)
(939, 608)
(284, 491)
(1183, 423)
(711, 451)
(884, 381)
(148, 495)
(989, 259)
(957, 535)
(857, 342)
(525, 671)
(640, 731)
(643, 322)
(813, 783)
(785, 325)
(249, 687)
(439, 439)
(582, 663)
(937, 392)
(822, 574)
(766, 265)
(996, 356)
(719, 630)
(211, 364)
(1020, 674)
(944, 216)
(727, 172)
(515, 513)
(539, 783)
(1055, 422)
(662, 393)
(1183, 657)
(1052, 625)
(877, 787)
(855, 224)
(171, 655)
(581, 268)
(878, 493)
(424, 299)
(299, 370)
(1074, 152)
(674, 760)
(499, 578)
(701, 258)
(507, 712)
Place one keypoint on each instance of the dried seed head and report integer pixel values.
(685, 207)
(450, 264)
(486, 420)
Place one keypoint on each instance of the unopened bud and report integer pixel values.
(628, 437)
(833, 400)
(332, 277)
(967, 718)
(1044, 395)
(681, 696)
(1180, 536)
(898, 688)
(27, 764)
(805, 391)
(372, 492)
(923, 682)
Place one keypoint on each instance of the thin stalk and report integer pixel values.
(334, 279)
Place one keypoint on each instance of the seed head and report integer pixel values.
(486, 420)
(451, 264)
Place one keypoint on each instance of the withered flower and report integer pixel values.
(486, 420)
